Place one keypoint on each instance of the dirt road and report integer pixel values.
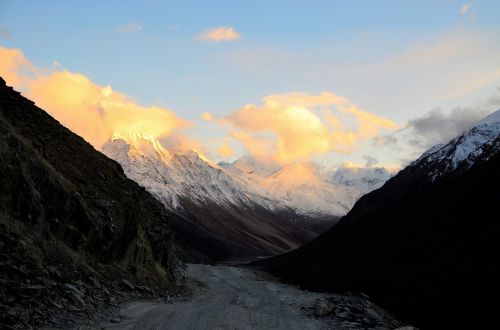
(235, 298)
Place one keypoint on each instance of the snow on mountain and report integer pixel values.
(364, 179)
(171, 176)
(299, 185)
(251, 168)
(461, 151)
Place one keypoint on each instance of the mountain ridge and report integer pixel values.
(424, 252)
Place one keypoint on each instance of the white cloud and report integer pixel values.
(465, 8)
(131, 27)
(219, 34)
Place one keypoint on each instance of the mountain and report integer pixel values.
(71, 224)
(363, 179)
(221, 213)
(299, 185)
(425, 245)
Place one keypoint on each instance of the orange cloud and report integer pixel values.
(219, 34)
(14, 67)
(207, 116)
(225, 150)
(290, 127)
(92, 111)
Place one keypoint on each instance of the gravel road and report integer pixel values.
(241, 298)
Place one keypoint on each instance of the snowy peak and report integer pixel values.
(491, 119)
(140, 144)
(462, 151)
(300, 185)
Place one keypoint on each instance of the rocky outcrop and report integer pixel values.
(70, 220)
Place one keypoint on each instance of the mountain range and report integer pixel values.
(243, 209)
(425, 245)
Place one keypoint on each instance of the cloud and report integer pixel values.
(437, 127)
(225, 150)
(5, 33)
(434, 127)
(219, 34)
(92, 111)
(207, 116)
(14, 67)
(465, 8)
(370, 161)
(182, 142)
(384, 140)
(297, 126)
(131, 27)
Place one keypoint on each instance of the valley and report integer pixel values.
(274, 165)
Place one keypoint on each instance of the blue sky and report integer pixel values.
(395, 59)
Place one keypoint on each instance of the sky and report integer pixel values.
(332, 82)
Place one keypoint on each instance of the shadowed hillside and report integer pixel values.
(424, 246)
(70, 220)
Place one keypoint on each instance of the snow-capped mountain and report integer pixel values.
(174, 175)
(171, 176)
(244, 208)
(460, 153)
(298, 186)
(363, 179)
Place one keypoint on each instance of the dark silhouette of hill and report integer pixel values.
(71, 223)
(425, 246)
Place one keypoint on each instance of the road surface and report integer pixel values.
(240, 298)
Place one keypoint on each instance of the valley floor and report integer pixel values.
(242, 298)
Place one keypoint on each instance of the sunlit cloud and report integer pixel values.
(182, 142)
(465, 8)
(14, 67)
(131, 27)
(225, 151)
(207, 116)
(297, 126)
(219, 34)
(92, 111)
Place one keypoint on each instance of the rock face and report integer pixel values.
(69, 218)
(424, 246)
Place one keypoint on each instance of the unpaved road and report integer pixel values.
(235, 298)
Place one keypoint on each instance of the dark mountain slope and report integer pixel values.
(425, 246)
(69, 216)
(225, 232)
